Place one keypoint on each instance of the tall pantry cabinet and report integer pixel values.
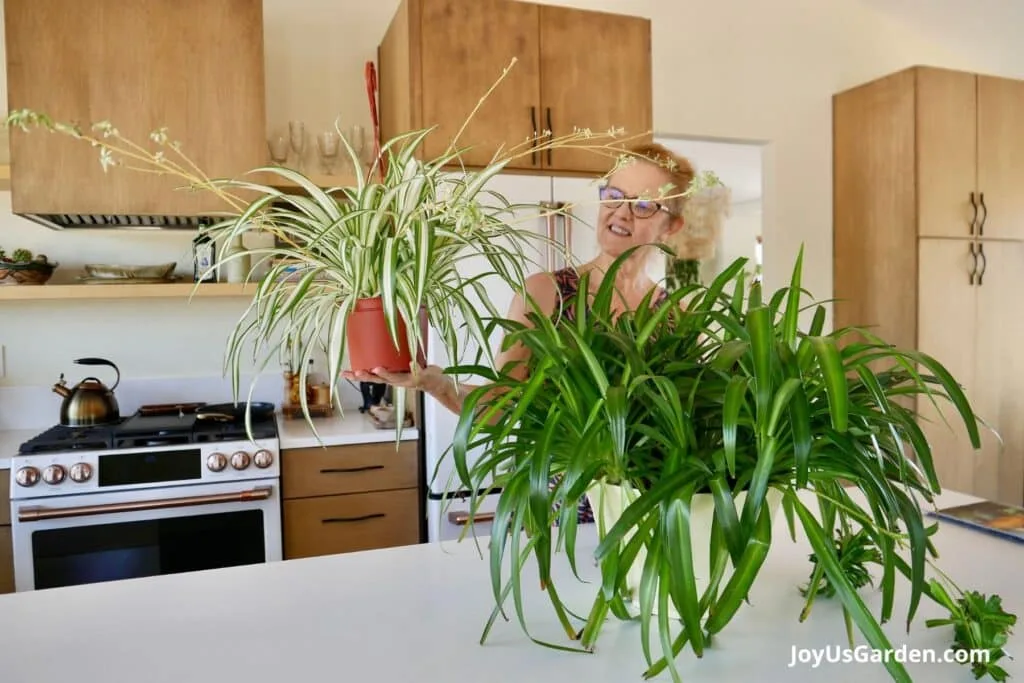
(928, 191)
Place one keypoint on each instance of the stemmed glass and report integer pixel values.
(297, 137)
(327, 146)
(357, 139)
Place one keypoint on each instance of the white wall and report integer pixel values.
(732, 69)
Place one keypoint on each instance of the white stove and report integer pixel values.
(152, 494)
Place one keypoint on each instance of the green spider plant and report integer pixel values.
(725, 397)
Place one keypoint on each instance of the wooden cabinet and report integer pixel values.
(348, 498)
(575, 69)
(921, 261)
(6, 543)
(193, 66)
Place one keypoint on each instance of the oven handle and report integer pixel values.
(463, 518)
(40, 513)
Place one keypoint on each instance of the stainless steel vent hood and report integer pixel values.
(63, 221)
(193, 67)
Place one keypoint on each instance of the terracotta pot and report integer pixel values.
(369, 341)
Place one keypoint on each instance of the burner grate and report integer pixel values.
(147, 429)
(61, 438)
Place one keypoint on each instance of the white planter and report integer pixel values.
(609, 500)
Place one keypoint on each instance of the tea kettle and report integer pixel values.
(90, 402)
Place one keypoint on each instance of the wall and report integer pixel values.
(732, 69)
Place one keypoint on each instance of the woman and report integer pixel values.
(651, 172)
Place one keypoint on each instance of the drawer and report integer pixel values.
(308, 472)
(359, 521)
(6, 561)
(5, 497)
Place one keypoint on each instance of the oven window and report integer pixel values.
(127, 550)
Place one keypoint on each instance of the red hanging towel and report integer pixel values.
(371, 92)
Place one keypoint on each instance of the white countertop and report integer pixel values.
(416, 614)
(10, 440)
(353, 428)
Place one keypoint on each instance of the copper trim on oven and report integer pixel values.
(462, 518)
(39, 513)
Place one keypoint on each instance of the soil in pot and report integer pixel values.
(608, 501)
(369, 341)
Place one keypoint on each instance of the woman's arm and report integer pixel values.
(443, 388)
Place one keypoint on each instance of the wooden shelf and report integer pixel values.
(176, 290)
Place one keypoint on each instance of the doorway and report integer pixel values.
(734, 217)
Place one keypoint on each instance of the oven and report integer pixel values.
(87, 516)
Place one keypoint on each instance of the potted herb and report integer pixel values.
(706, 422)
(359, 270)
(20, 267)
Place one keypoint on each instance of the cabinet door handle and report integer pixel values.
(346, 470)
(360, 518)
(974, 256)
(984, 217)
(533, 145)
(984, 261)
(974, 219)
(551, 132)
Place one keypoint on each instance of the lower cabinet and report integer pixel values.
(348, 498)
(6, 548)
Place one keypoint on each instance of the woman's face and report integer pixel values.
(625, 224)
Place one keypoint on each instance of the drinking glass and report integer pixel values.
(297, 137)
(278, 145)
(357, 138)
(327, 146)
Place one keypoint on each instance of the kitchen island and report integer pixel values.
(415, 613)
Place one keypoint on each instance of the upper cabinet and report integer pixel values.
(970, 154)
(193, 66)
(575, 69)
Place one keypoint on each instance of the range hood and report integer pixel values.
(62, 221)
(193, 67)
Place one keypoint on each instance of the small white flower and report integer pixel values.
(107, 159)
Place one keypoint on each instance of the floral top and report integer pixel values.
(568, 281)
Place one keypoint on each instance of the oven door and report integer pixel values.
(81, 539)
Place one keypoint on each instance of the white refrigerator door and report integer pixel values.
(581, 194)
(439, 422)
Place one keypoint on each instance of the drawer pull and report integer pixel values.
(361, 518)
(462, 518)
(347, 470)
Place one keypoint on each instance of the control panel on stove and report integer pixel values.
(70, 472)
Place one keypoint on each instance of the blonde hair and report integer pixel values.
(678, 168)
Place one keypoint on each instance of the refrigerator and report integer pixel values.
(448, 505)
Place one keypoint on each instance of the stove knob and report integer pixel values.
(53, 474)
(80, 472)
(27, 476)
(263, 458)
(216, 462)
(240, 460)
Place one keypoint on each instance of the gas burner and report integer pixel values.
(149, 428)
(62, 438)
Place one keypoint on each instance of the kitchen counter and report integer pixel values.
(10, 440)
(353, 428)
(416, 613)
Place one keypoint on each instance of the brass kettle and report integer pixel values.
(89, 402)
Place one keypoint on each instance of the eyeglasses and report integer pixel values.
(612, 197)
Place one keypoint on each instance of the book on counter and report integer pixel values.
(1002, 520)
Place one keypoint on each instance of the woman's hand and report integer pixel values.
(423, 378)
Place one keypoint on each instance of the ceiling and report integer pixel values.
(738, 165)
